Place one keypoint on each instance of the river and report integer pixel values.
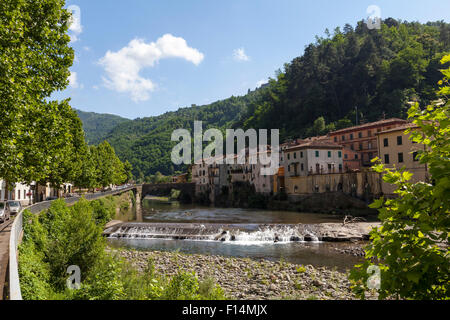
(256, 234)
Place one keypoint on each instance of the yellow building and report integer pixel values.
(395, 149)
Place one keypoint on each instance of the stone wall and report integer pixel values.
(365, 185)
(361, 184)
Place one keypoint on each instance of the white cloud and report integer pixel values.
(240, 55)
(122, 68)
(75, 23)
(73, 80)
(261, 82)
(86, 48)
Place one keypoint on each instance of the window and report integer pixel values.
(399, 141)
(356, 157)
(370, 155)
(343, 138)
(369, 133)
(386, 159)
(360, 146)
(340, 154)
(295, 155)
(289, 156)
(346, 156)
(317, 154)
(400, 157)
(369, 145)
(415, 156)
(329, 154)
(289, 168)
(352, 147)
(351, 136)
(301, 154)
(18, 194)
(386, 142)
(335, 139)
(303, 167)
(360, 135)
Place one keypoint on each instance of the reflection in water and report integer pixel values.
(171, 213)
(127, 214)
(155, 211)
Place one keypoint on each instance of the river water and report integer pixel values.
(257, 234)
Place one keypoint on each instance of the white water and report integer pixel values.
(236, 235)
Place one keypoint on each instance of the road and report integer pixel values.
(5, 230)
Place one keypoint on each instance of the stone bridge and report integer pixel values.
(187, 190)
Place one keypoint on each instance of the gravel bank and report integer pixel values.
(247, 279)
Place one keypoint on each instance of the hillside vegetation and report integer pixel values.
(96, 126)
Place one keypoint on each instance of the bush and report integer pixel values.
(63, 236)
(104, 210)
(103, 281)
(412, 243)
(183, 286)
(208, 289)
(34, 273)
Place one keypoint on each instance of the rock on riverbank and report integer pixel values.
(250, 279)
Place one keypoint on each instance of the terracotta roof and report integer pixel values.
(403, 127)
(368, 125)
(316, 144)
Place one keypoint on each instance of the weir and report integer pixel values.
(240, 233)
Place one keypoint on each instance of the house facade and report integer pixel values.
(315, 157)
(396, 150)
(361, 141)
(20, 192)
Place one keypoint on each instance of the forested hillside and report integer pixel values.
(146, 143)
(376, 71)
(97, 125)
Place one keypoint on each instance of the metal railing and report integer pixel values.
(16, 232)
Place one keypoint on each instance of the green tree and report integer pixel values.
(412, 243)
(318, 126)
(34, 62)
(128, 168)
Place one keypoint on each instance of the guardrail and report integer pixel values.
(16, 232)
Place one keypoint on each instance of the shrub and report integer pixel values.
(62, 236)
(208, 289)
(104, 210)
(183, 286)
(34, 273)
(412, 243)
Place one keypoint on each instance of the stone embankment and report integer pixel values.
(247, 279)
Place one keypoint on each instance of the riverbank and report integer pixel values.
(246, 279)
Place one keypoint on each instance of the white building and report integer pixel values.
(20, 192)
(314, 157)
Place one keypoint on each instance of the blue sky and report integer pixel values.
(140, 58)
